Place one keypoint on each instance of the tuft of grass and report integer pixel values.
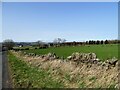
(25, 76)
(112, 86)
(92, 79)
(67, 77)
(81, 85)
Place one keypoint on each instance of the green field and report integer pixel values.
(102, 51)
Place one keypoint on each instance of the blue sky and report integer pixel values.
(72, 21)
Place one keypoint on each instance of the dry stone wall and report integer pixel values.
(87, 58)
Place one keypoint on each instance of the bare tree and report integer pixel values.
(9, 43)
(40, 43)
(63, 40)
(57, 40)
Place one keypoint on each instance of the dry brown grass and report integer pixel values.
(72, 75)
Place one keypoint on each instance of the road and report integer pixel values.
(0, 70)
(6, 80)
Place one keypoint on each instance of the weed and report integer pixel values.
(81, 85)
(92, 79)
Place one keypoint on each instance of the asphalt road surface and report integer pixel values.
(0, 70)
(6, 81)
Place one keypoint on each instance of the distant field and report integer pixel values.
(103, 51)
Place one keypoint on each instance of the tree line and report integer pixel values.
(103, 42)
(93, 42)
(9, 43)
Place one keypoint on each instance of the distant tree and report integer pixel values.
(40, 43)
(63, 40)
(115, 41)
(9, 43)
(118, 41)
(101, 42)
(89, 41)
(86, 42)
(106, 42)
(94, 42)
(98, 42)
(57, 40)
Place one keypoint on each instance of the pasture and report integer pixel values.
(103, 52)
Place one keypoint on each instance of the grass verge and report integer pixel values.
(25, 76)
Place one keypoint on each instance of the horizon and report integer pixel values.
(29, 22)
(64, 42)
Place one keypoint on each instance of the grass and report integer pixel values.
(103, 51)
(82, 85)
(25, 76)
(67, 77)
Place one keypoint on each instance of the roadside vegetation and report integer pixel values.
(37, 72)
(25, 76)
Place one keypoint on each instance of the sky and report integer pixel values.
(0, 22)
(32, 21)
(60, 0)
